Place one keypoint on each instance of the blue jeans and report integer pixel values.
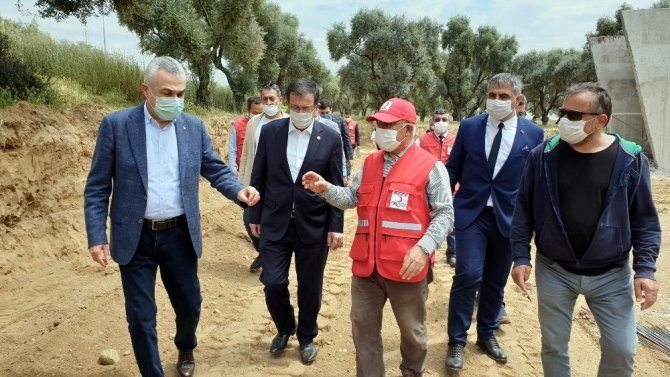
(610, 298)
(172, 251)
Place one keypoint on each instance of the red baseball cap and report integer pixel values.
(394, 110)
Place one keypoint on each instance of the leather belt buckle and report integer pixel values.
(161, 224)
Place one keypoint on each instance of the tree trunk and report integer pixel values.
(203, 70)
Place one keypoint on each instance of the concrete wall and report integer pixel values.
(647, 34)
(614, 67)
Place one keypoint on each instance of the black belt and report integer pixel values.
(163, 224)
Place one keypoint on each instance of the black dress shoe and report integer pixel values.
(308, 353)
(185, 364)
(256, 265)
(279, 343)
(451, 261)
(492, 349)
(455, 357)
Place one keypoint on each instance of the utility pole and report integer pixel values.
(104, 36)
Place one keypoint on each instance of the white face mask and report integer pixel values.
(441, 128)
(301, 120)
(387, 139)
(571, 131)
(270, 110)
(498, 109)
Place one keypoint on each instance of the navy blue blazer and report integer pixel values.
(271, 176)
(119, 169)
(467, 165)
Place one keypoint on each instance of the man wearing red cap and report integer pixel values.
(403, 198)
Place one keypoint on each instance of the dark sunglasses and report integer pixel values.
(572, 114)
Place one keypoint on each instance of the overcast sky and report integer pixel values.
(537, 25)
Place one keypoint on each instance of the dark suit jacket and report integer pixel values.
(467, 165)
(119, 169)
(271, 176)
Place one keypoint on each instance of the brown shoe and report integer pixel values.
(185, 364)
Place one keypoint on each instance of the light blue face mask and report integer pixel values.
(168, 108)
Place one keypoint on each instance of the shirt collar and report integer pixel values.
(509, 124)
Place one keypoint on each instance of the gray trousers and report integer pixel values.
(610, 298)
(408, 301)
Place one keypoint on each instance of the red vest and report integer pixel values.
(393, 214)
(430, 142)
(351, 127)
(240, 125)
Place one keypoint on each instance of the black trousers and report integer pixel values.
(310, 262)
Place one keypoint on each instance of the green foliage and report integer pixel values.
(17, 80)
(387, 56)
(472, 58)
(90, 67)
(222, 33)
(546, 76)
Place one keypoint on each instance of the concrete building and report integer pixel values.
(635, 69)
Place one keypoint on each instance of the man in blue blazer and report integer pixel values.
(487, 160)
(291, 219)
(149, 159)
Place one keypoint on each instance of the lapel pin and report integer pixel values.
(318, 138)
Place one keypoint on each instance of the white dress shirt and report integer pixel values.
(296, 147)
(261, 123)
(164, 186)
(508, 134)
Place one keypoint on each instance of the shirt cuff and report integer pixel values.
(427, 243)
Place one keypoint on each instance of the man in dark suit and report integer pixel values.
(149, 159)
(487, 161)
(292, 219)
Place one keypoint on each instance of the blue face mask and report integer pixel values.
(168, 108)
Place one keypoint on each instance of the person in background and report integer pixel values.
(521, 107)
(149, 160)
(586, 198)
(327, 112)
(271, 99)
(438, 142)
(238, 130)
(354, 135)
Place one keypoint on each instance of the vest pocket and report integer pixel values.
(360, 248)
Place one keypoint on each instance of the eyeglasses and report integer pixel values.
(572, 114)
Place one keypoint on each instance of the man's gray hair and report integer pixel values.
(444, 112)
(162, 63)
(602, 103)
(502, 79)
(271, 86)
